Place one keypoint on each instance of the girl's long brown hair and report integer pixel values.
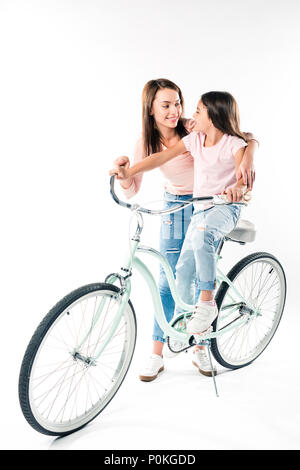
(223, 110)
(151, 135)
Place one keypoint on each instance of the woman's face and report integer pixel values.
(166, 108)
(202, 120)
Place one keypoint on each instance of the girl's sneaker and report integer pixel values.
(167, 351)
(202, 318)
(153, 367)
(201, 361)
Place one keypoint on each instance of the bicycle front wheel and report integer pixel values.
(261, 281)
(62, 385)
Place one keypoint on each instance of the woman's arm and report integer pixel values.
(249, 136)
(149, 163)
(236, 192)
(246, 168)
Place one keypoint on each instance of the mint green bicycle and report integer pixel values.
(80, 353)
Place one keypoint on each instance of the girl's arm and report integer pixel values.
(125, 163)
(131, 186)
(149, 163)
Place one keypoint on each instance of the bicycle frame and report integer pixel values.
(134, 262)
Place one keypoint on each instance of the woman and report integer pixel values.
(163, 127)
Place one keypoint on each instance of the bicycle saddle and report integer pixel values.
(243, 232)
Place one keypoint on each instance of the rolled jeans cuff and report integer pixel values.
(206, 285)
(158, 338)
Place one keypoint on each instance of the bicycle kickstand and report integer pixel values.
(206, 342)
(212, 369)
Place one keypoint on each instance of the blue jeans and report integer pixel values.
(197, 259)
(172, 233)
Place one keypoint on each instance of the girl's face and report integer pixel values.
(202, 120)
(166, 108)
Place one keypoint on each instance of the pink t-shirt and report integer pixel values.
(178, 172)
(214, 167)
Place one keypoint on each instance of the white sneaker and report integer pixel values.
(153, 367)
(167, 352)
(202, 318)
(201, 361)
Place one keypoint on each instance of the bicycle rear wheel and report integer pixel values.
(261, 280)
(61, 387)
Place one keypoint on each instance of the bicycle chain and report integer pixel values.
(193, 343)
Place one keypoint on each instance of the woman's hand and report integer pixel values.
(246, 169)
(247, 172)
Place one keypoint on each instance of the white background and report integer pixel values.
(72, 74)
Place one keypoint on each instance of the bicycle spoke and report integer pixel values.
(261, 285)
(66, 385)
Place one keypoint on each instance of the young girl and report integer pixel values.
(217, 145)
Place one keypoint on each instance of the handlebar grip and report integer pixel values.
(114, 196)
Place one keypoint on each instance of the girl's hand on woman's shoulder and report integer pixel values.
(189, 124)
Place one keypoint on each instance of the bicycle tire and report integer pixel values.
(221, 343)
(60, 315)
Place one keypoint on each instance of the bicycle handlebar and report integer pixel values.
(137, 208)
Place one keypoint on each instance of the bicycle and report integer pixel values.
(81, 351)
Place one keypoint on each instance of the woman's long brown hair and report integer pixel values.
(151, 135)
(223, 110)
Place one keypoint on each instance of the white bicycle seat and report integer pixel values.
(243, 232)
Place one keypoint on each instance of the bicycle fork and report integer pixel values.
(123, 295)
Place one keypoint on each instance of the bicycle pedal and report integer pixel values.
(202, 337)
